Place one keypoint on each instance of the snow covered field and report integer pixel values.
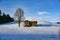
(13, 32)
(28, 37)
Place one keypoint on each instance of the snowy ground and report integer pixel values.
(28, 37)
(13, 32)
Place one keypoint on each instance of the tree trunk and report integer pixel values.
(19, 21)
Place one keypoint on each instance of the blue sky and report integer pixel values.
(48, 10)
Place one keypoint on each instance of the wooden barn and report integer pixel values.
(29, 23)
(26, 23)
(34, 23)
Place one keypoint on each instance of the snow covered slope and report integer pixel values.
(39, 21)
(43, 22)
(14, 29)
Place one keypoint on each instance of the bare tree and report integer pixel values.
(19, 14)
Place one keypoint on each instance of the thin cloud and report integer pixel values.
(42, 13)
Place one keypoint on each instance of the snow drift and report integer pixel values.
(14, 29)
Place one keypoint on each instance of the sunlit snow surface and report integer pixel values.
(11, 31)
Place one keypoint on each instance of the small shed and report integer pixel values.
(34, 23)
(30, 23)
(27, 23)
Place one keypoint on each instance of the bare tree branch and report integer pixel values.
(19, 14)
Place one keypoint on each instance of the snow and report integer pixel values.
(28, 37)
(14, 29)
(13, 32)
(39, 21)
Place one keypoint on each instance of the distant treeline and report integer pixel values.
(58, 22)
(5, 18)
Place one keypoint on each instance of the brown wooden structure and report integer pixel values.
(29, 23)
(26, 23)
(34, 23)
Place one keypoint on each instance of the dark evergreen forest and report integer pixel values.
(5, 18)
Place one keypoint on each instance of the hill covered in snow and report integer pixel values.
(14, 29)
(39, 21)
(11, 31)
